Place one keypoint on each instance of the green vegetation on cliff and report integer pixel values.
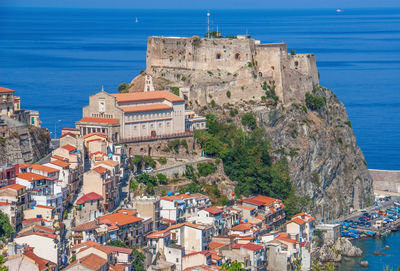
(246, 157)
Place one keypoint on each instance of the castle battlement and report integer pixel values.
(211, 67)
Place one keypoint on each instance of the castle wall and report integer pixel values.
(211, 67)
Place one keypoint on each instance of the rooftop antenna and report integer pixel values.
(208, 24)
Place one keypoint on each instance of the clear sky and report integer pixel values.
(201, 4)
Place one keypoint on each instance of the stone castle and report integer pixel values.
(206, 69)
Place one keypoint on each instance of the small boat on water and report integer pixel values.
(339, 10)
(397, 203)
(137, 20)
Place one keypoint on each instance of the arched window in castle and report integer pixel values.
(260, 74)
(218, 56)
(296, 64)
(237, 56)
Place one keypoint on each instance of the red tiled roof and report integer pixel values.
(86, 226)
(117, 267)
(84, 244)
(44, 206)
(254, 202)
(29, 220)
(159, 234)
(143, 108)
(119, 249)
(204, 252)
(253, 247)
(91, 261)
(237, 246)
(88, 197)
(119, 219)
(44, 168)
(13, 187)
(60, 158)
(5, 90)
(60, 163)
(4, 203)
(68, 134)
(44, 229)
(97, 246)
(297, 220)
(215, 245)
(242, 227)
(284, 237)
(29, 176)
(44, 234)
(92, 134)
(265, 200)
(127, 212)
(177, 197)
(39, 261)
(69, 147)
(100, 170)
(99, 120)
(147, 96)
(214, 210)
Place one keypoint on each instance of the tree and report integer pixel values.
(123, 88)
(206, 168)
(249, 120)
(314, 102)
(6, 230)
(138, 260)
(233, 266)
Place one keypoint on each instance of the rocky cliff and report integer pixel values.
(23, 143)
(326, 166)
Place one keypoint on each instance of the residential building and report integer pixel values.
(14, 199)
(271, 210)
(149, 207)
(40, 211)
(301, 227)
(177, 208)
(89, 262)
(8, 174)
(45, 245)
(88, 208)
(101, 181)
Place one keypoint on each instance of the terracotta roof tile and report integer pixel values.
(119, 249)
(93, 134)
(100, 170)
(253, 247)
(5, 90)
(215, 245)
(147, 96)
(60, 158)
(214, 210)
(45, 207)
(44, 168)
(242, 227)
(110, 163)
(144, 108)
(43, 234)
(13, 187)
(39, 261)
(86, 226)
(29, 176)
(88, 197)
(69, 147)
(60, 163)
(246, 208)
(68, 134)
(99, 120)
(92, 261)
(119, 219)
(4, 203)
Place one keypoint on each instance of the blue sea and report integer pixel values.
(56, 58)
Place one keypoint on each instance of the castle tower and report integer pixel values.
(148, 82)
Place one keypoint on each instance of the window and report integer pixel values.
(237, 56)
(296, 63)
(218, 56)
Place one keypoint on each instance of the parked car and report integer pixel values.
(366, 217)
(361, 218)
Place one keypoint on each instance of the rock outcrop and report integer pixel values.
(334, 252)
(326, 165)
(23, 143)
